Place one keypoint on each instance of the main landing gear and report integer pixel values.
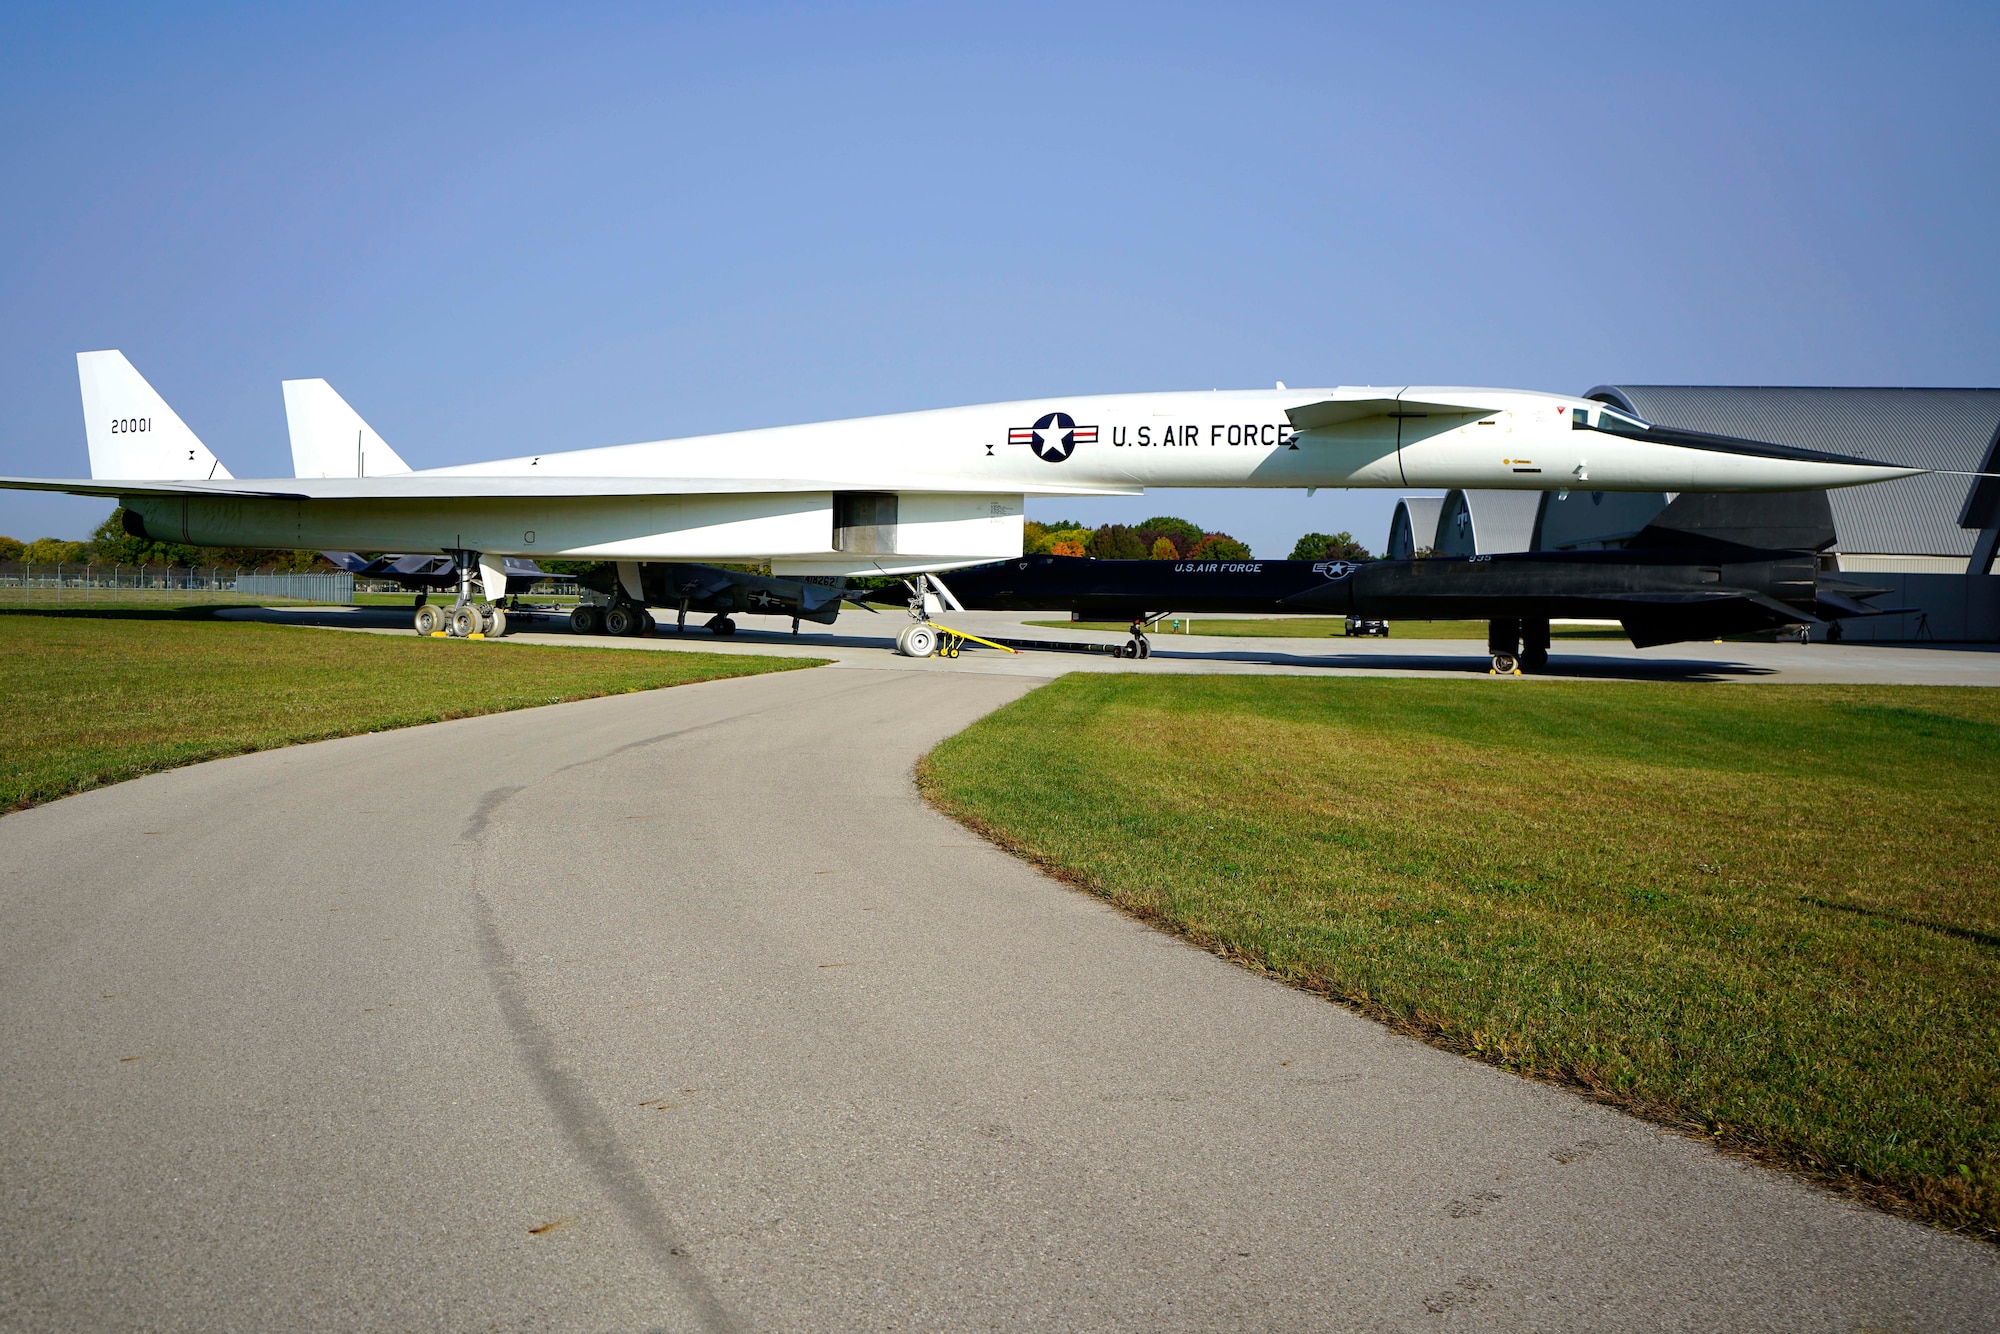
(468, 620)
(620, 618)
(469, 617)
(1517, 646)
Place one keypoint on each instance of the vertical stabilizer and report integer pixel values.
(133, 434)
(329, 439)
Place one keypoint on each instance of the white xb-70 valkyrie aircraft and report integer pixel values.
(911, 494)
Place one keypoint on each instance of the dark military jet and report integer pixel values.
(432, 574)
(1707, 566)
(626, 588)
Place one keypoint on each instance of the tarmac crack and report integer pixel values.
(655, 740)
(592, 1137)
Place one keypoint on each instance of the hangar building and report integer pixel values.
(1930, 540)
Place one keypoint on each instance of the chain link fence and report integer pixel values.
(27, 585)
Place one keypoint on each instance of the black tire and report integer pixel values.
(1534, 659)
(620, 621)
(585, 621)
(1145, 647)
(722, 625)
(646, 623)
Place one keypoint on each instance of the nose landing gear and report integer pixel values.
(1138, 646)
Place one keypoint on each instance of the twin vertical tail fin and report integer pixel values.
(329, 439)
(133, 434)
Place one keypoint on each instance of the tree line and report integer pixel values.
(1165, 537)
(110, 544)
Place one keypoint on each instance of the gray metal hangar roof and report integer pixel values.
(1920, 428)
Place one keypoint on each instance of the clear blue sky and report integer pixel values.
(499, 231)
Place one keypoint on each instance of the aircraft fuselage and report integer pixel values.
(946, 488)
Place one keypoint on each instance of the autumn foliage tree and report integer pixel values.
(1162, 537)
(1329, 546)
(1219, 546)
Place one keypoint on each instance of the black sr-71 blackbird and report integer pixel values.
(1707, 566)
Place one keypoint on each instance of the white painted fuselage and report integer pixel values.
(1473, 438)
(889, 494)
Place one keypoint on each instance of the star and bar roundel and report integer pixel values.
(1053, 437)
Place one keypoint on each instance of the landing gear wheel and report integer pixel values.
(430, 620)
(1534, 659)
(488, 614)
(465, 622)
(646, 623)
(620, 620)
(497, 626)
(722, 625)
(917, 641)
(1506, 664)
(585, 621)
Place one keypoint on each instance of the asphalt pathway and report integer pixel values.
(681, 1011)
(862, 640)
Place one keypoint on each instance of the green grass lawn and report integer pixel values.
(1319, 627)
(1766, 914)
(89, 698)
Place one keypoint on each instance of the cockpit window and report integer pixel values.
(1607, 420)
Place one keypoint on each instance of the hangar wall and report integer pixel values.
(1488, 523)
(1413, 527)
(1480, 523)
